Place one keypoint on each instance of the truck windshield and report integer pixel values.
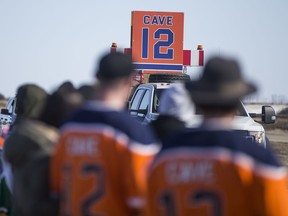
(156, 102)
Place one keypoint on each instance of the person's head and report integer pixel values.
(218, 92)
(31, 99)
(2, 97)
(87, 91)
(60, 104)
(114, 75)
(66, 86)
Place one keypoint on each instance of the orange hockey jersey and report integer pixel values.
(93, 169)
(217, 173)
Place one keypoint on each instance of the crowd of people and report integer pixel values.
(76, 151)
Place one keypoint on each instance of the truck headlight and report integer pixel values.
(259, 136)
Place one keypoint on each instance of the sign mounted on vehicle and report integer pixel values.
(157, 40)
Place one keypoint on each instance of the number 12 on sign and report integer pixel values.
(159, 45)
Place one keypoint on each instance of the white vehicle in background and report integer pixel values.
(145, 101)
(8, 114)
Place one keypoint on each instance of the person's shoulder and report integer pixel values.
(120, 121)
(233, 141)
(259, 153)
(166, 125)
(135, 130)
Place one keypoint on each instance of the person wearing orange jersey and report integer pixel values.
(93, 167)
(212, 169)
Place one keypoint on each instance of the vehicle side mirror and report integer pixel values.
(253, 115)
(143, 111)
(5, 112)
(268, 115)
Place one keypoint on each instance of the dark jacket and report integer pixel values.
(18, 146)
(28, 149)
(166, 125)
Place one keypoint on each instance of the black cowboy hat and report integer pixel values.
(221, 83)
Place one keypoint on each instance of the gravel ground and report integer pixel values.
(281, 150)
(279, 144)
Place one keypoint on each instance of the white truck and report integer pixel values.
(145, 101)
(8, 115)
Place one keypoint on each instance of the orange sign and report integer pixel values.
(157, 40)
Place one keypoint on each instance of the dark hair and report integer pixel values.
(217, 109)
(60, 104)
(87, 91)
(66, 86)
(2, 97)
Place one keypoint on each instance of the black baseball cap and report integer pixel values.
(114, 65)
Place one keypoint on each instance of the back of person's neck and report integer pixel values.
(218, 123)
(111, 99)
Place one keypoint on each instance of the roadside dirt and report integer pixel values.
(280, 148)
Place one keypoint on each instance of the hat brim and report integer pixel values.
(202, 94)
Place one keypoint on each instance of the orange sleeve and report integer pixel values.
(269, 194)
(129, 183)
(275, 197)
(1, 142)
(140, 167)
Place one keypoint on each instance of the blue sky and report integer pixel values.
(49, 41)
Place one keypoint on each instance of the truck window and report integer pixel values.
(136, 100)
(156, 99)
(145, 101)
(11, 105)
(241, 110)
